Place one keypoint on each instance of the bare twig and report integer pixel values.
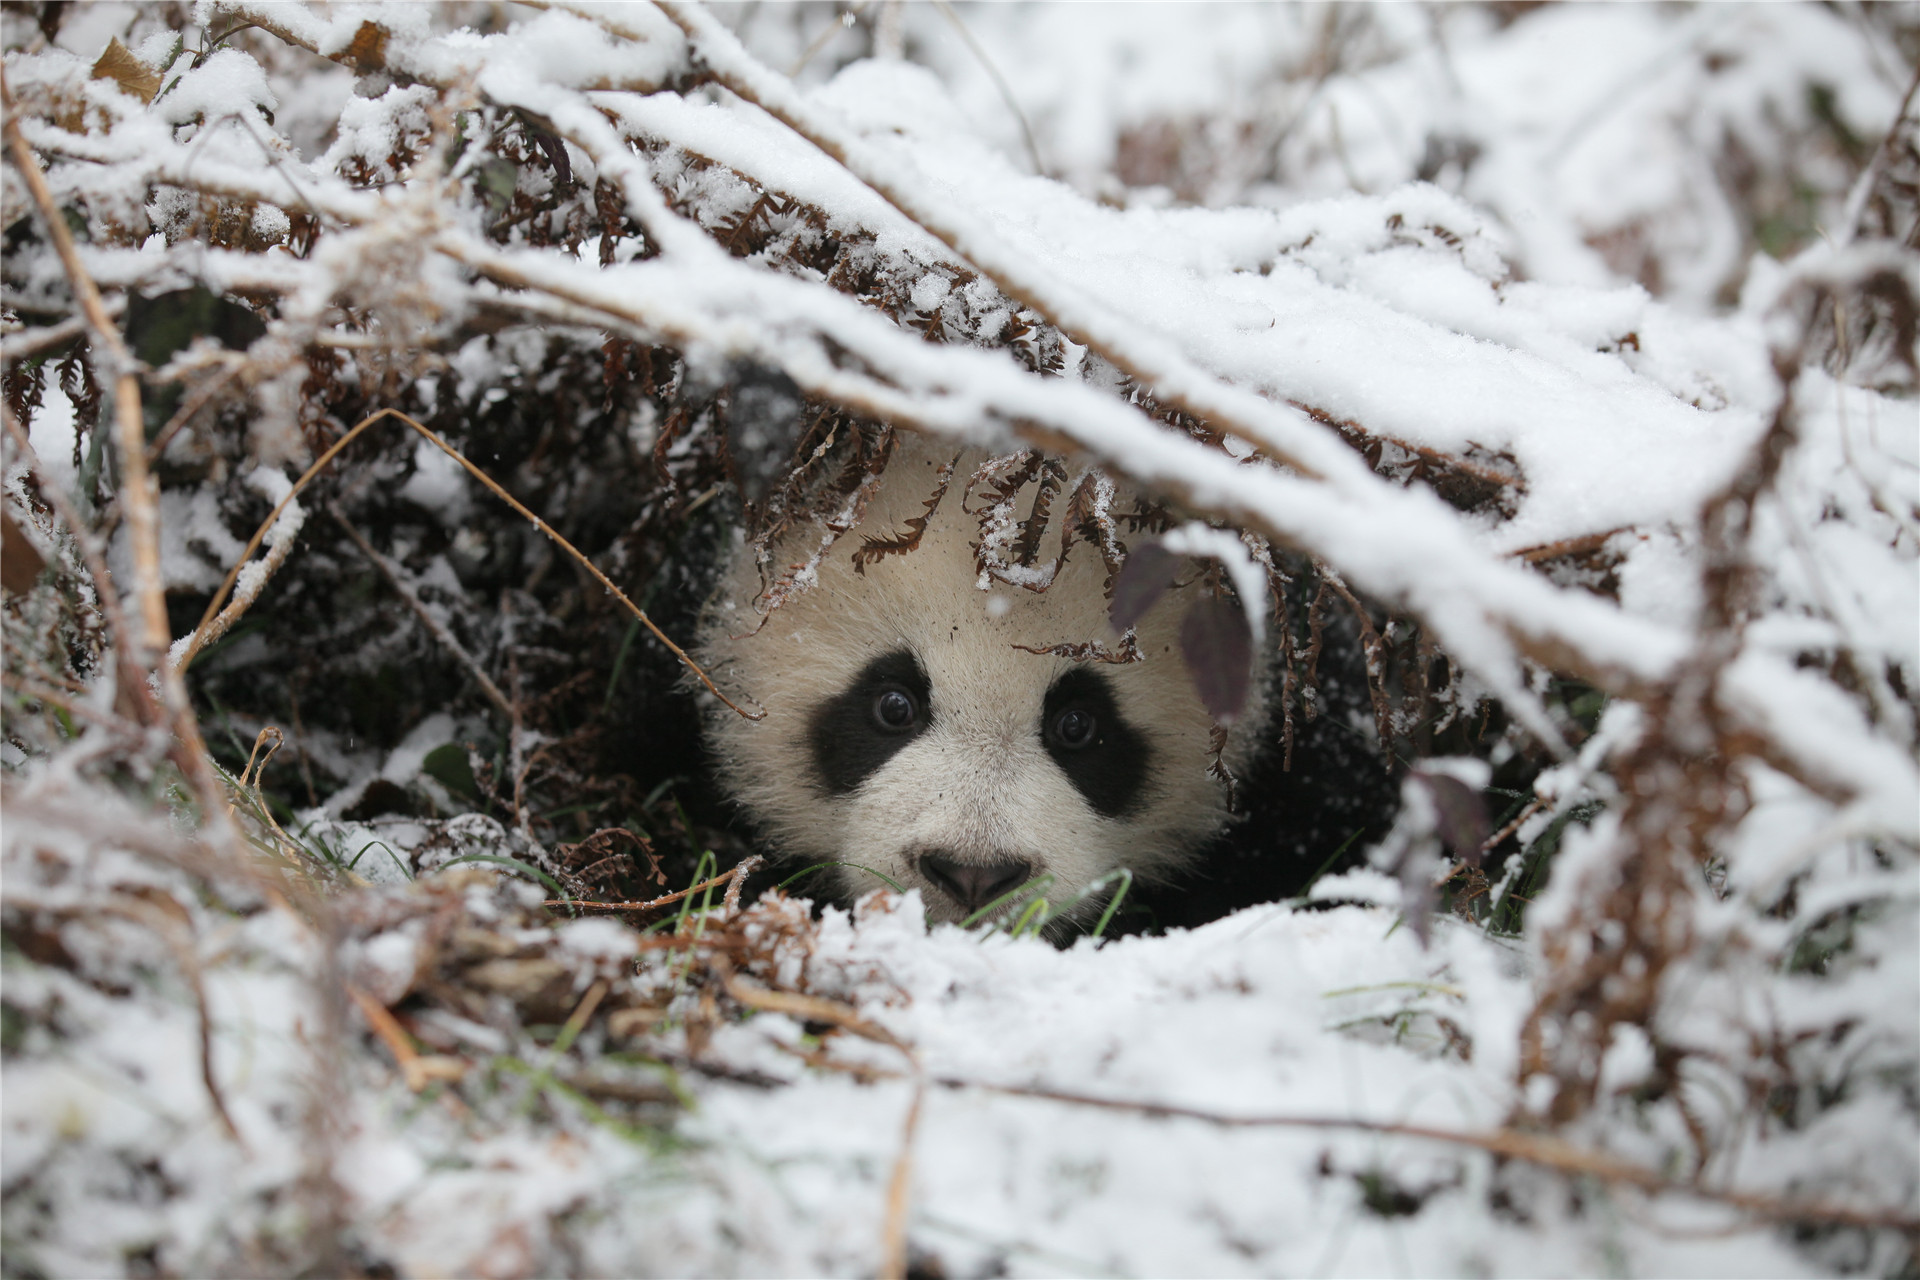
(1374, 650)
(438, 629)
(270, 740)
(243, 598)
(893, 1233)
(1534, 1148)
(1493, 841)
(1862, 192)
(746, 867)
(175, 931)
(31, 342)
(195, 403)
(734, 879)
(841, 22)
(1585, 544)
(204, 630)
(893, 1236)
(143, 517)
(582, 1014)
(999, 82)
(139, 497)
(812, 1009)
(1540, 1149)
(78, 710)
(418, 1069)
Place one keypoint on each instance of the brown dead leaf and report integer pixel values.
(20, 562)
(120, 66)
(369, 48)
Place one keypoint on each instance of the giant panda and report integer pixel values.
(954, 718)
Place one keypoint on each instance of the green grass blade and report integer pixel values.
(514, 863)
(895, 885)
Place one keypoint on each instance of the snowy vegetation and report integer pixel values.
(383, 384)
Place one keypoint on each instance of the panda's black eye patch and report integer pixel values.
(1102, 755)
(860, 728)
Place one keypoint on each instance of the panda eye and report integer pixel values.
(895, 710)
(1075, 728)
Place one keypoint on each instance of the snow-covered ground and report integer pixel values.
(1266, 1029)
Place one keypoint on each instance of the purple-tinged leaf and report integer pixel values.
(1149, 570)
(1460, 815)
(1218, 647)
(1416, 902)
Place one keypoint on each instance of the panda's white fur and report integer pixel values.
(978, 785)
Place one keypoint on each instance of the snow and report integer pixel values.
(596, 939)
(53, 436)
(223, 85)
(403, 762)
(1593, 130)
(1276, 1012)
(438, 484)
(271, 484)
(372, 129)
(1499, 239)
(196, 549)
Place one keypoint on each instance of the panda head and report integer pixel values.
(916, 726)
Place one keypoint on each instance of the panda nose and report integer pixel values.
(973, 884)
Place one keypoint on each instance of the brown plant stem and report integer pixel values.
(78, 710)
(139, 499)
(174, 930)
(899, 1202)
(417, 1069)
(1635, 913)
(737, 876)
(437, 629)
(143, 517)
(893, 1232)
(1540, 1149)
(185, 414)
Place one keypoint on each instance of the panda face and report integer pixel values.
(969, 797)
(912, 732)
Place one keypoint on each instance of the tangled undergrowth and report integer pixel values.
(351, 814)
